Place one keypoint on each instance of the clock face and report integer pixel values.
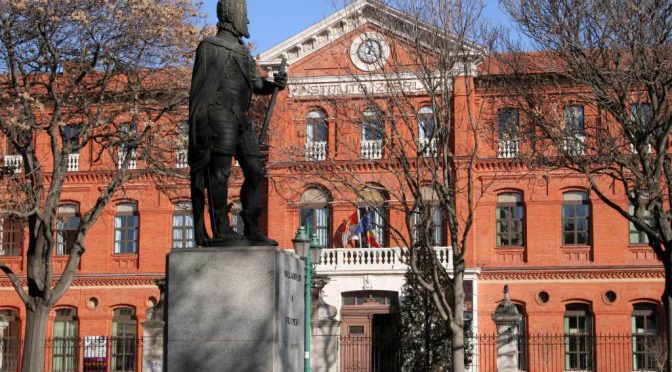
(370, 51)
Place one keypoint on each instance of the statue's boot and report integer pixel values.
(252, 232)
(223, 230)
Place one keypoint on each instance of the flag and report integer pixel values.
(368, 226)
(352, 226)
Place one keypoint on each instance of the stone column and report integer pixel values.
(152, 337)
(325, 331)
(507, 318)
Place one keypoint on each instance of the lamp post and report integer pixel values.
(309, 251)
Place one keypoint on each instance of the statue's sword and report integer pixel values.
(271, 105)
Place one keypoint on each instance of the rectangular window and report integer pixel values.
(71, 134)
(508, 123)
(640, 113)
(374, 232)
(67, 228)
(126, 225)
(637, 236)
(438, 231)
(509, 224)
(124, 341)
(64, 356)
(183, 230)
(574, 125)
(575, 223)
(11, 233)
(578, 341)
(316, 221)
(646, 343)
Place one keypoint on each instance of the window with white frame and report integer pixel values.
(183, 226)
(126, 226)
(67, 228)
(316, 135)
(316, 214)
(434, 217)
(372, 214)
(574, 130)
(373, 133)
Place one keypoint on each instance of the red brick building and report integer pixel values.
(598, 276)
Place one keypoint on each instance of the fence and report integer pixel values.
(87, 354)
(536, 353)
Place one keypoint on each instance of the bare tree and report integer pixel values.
(596, 101)
(106, 76)
(402, 129)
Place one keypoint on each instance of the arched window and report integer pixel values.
(126, 226)
(237, 223)
(372, 215)
(11, 236)
(373, 133)
(183, 226)
(124, 339)
(575, 218)
(67, 228)
(435, 217)
(10, 334)
(316, 214)
(64, 356)
(578, 326)
(425, 123)
(508, 133)
(316, 135)
(126, 131)
(510, 220)
(645, 325)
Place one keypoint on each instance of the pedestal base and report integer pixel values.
(234, 309)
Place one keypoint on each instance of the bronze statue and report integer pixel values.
(224, 78)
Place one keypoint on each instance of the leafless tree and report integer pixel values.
(595, 100)
(434, 45)
(105, 76)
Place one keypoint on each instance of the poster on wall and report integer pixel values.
(95, 354)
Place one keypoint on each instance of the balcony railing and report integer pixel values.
(508, 149)
(15, 162)
(181, 159)
(132, 163)
(73, 162)
(575, 145)
(372, 259)
(316, 151)
(372, 149)
(427, 147)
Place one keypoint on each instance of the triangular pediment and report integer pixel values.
(328, 31)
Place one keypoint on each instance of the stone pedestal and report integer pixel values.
(234, 309)
(507, 318)
(152, 346)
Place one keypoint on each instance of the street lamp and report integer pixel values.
(309, 251)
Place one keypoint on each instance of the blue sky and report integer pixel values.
(272, 21)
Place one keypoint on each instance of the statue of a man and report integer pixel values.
(224, 78)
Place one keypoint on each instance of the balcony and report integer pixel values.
(181, 159)
(367, 260)
(316, 151)
(132, 163)
(73, 162)
(15, 162)
(508, 149)
(575, 145)
(372, 149)
(427, 147)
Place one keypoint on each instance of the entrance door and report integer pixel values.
(369, 341)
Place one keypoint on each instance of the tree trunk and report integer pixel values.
(457, 325)
(34, 346)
